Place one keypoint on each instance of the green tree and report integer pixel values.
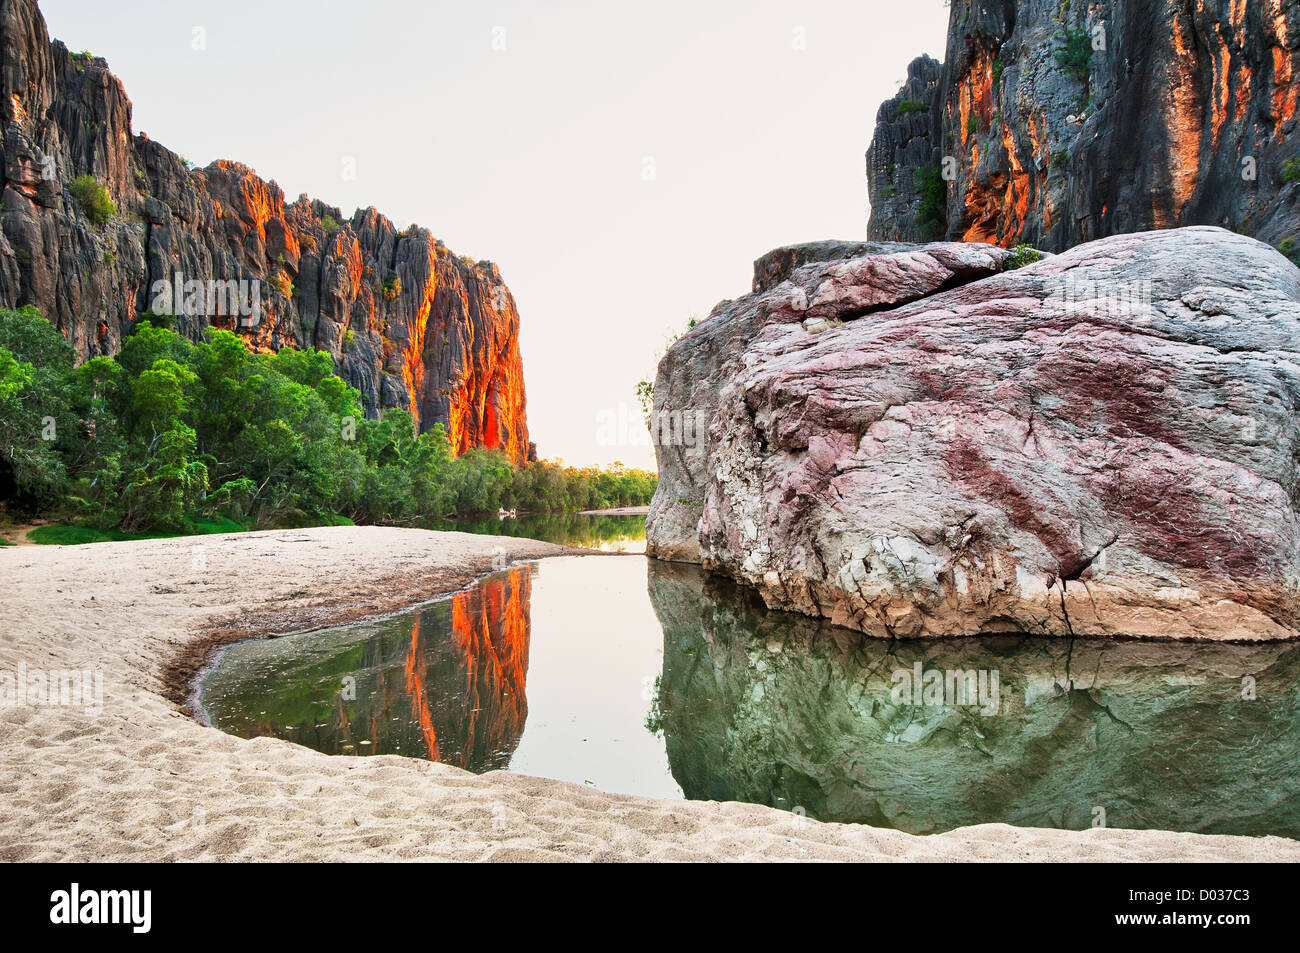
(37, 428)
(167, 483)
(1075, 54)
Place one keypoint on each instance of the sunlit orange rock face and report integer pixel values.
(1175, 113)
(474, 346)
(409, 323)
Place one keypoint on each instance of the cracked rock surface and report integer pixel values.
(916, 443)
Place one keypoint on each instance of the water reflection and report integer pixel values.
(616, 533)
(446, 683)
(779, 710)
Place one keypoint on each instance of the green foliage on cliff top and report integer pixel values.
(908, 106)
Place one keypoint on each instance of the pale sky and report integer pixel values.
(752, 116)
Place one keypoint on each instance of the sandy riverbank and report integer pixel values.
(141, 780)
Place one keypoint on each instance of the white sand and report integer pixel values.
(143, 781)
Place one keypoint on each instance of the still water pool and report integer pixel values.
(607, 532)
(547, 668)
(647, 678)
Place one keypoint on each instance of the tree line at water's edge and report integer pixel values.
(175, 436)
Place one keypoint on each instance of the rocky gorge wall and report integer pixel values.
(408, 323)
(1053, 122)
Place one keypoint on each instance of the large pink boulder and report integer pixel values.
(918, 443)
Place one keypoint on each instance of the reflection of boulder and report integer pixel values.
(446, 682)
(779, 709)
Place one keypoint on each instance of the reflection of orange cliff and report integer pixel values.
(477, 718)
(419, 698)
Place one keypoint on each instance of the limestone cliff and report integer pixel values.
(408, 323)
(1059, 122)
